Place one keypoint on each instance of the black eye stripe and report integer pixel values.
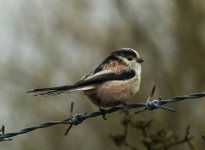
(113, 57)
(125, 53)
(130, 58)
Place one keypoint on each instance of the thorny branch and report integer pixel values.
(79, 118)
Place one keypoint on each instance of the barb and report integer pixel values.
(79, 118)
(2, 129)
(71, 115)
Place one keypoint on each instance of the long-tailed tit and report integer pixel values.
(112, 83)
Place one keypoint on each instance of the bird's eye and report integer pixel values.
(130, 58)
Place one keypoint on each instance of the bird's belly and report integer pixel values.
(113, 93)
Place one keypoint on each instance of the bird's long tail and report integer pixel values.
(58, 90)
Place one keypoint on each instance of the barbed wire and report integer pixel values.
(79, 118)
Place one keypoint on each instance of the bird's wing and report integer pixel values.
(87, 82)
(106, 75)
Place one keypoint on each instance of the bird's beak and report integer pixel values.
(140, 60)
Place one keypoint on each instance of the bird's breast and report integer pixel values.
(112, 93)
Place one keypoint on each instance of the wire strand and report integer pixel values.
(79, 118)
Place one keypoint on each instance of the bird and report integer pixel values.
(115, 81)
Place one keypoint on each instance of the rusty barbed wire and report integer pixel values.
(79, 118)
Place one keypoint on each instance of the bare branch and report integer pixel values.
(158, 140)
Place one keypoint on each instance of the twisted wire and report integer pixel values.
(79, 118)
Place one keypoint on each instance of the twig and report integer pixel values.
(79, 118)
(203, 137)
(186, 139)
(162, 139)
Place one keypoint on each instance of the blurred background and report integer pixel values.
(46, 43)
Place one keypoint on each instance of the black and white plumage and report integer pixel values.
(112, 83)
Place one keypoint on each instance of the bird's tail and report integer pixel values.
(58, 90)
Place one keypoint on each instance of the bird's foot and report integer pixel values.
(124, 106)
